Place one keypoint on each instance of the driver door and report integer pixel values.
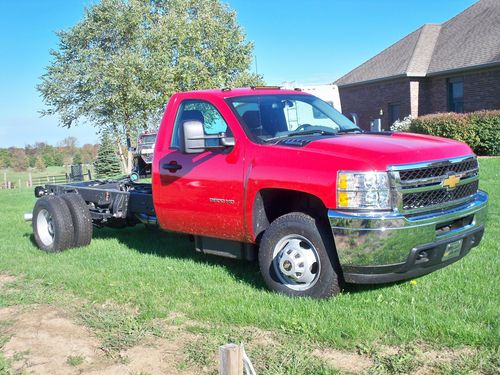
(202, 193)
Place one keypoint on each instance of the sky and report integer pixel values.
(300, 41)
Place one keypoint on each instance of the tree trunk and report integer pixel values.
(123, 157)
(127, 135)
(123, 161)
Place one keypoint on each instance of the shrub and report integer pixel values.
(402, 125)
(480, 130)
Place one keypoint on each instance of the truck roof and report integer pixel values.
(246, 91)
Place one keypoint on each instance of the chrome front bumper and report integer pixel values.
(376, 248)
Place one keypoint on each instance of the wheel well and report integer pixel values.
(270, 204)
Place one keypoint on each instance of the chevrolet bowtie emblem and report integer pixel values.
(451, 182)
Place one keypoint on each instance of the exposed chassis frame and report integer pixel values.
(110, 200)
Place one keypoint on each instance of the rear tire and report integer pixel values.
(297, 257)
(52, 224)
(82, 221)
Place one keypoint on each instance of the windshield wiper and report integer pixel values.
(311, 132)
(305, 132)
(350, 130)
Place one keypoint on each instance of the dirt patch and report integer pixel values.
(343, 360)
(431, 358)
(443, 356)
(426, 357)
(10, 313)
(6, 279)
(161, 358)
(44, 340)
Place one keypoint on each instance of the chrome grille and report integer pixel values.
(419, 187)
(439, 196)
(469, 165)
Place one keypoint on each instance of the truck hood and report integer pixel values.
(383, 149)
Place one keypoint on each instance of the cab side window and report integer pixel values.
(207, 114)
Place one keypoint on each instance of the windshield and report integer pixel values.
(270, 117)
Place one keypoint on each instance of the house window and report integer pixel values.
(394, 112)
(456, 94)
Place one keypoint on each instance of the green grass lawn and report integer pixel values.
(160, 273)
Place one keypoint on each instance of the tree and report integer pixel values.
(88, 153)
(18, 160)
(30, 152)
(118, 66)
(40, 164)
(4, 158)
(77, 159)
(107, 164)
(69, 147)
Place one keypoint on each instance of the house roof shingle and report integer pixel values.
(470, 39)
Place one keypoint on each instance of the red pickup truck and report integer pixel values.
(282, 177)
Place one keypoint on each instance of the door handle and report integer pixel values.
(173, 166)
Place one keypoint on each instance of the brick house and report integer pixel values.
(454, 66)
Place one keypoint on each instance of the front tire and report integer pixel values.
(52, 224)
(297, 257)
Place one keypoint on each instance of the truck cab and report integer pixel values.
(322, 198)
(282, 177)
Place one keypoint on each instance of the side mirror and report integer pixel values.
(193, 137)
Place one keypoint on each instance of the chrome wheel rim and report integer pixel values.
(45, 227)
(296, 262)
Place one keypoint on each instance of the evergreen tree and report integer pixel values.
(107, 164)
(77, 159)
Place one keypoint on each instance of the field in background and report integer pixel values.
(38, 177)
(135, 283)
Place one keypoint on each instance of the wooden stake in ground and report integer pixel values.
(231, 360)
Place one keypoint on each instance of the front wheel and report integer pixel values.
(297, 257)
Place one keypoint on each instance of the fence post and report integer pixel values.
(5, 179)
(230, 360)
(30, 180)
(20, 186)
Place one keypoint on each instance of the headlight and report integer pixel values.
(363, 190)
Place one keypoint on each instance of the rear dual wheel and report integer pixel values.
(82, 221)
(61, 222)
